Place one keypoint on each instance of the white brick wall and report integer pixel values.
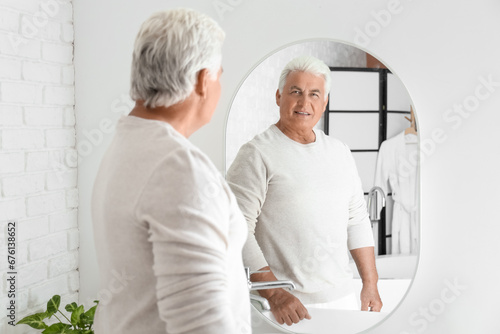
(39, 72)
(35, 116)
(15, 139)
(57, 53)
(12, 162)
(38, 188)
(20, 92)
(10, 68)
(33, 228)
(11, 115)
(9, 20)
(45, 204)
(61, 137)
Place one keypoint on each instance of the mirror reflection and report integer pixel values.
(322, 155)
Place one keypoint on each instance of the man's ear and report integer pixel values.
(201, 86)
(326, 102)
(278, 97)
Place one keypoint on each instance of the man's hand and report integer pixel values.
(287, 308)
(370, 299)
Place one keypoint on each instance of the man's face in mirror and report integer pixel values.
(302, 101)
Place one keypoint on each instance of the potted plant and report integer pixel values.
(80, 322)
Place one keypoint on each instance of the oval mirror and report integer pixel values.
(369, 110)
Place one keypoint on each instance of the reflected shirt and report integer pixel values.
(305, 208)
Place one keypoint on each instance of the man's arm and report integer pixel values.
(189, 235)
(285, 307)
(361, 245)
(365, 262)
(247, 178)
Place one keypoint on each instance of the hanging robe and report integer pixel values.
(397, 173)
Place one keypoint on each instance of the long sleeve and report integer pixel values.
(359, 231)
(248, 179)
(189, 237)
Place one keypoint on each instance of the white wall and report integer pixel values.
(37, 131)
(440, 50)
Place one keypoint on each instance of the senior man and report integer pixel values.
(162, 213)
(301, 195)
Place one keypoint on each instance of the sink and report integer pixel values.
(322, 322)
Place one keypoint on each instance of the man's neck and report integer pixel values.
(303, 136)
(179, 116)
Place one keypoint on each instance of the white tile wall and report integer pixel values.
(37, 186)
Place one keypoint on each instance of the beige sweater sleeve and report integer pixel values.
(248, 177)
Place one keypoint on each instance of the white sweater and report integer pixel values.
(168, 235)
(304, 207)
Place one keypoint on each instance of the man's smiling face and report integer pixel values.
(302, 101)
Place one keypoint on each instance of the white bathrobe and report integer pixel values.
(397, 173)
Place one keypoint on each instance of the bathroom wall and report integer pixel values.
(38, 185)
(444, 52)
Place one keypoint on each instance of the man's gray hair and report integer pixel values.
(307, 64)
(170, 49)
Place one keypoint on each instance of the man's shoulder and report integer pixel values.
(332, 142)
(262, 141)
(264, 137)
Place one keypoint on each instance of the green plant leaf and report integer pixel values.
(53, 305)
(58, 328)
(75, 316)
(89, 315)
(71, 307)
(85, 321)
(34, 320)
